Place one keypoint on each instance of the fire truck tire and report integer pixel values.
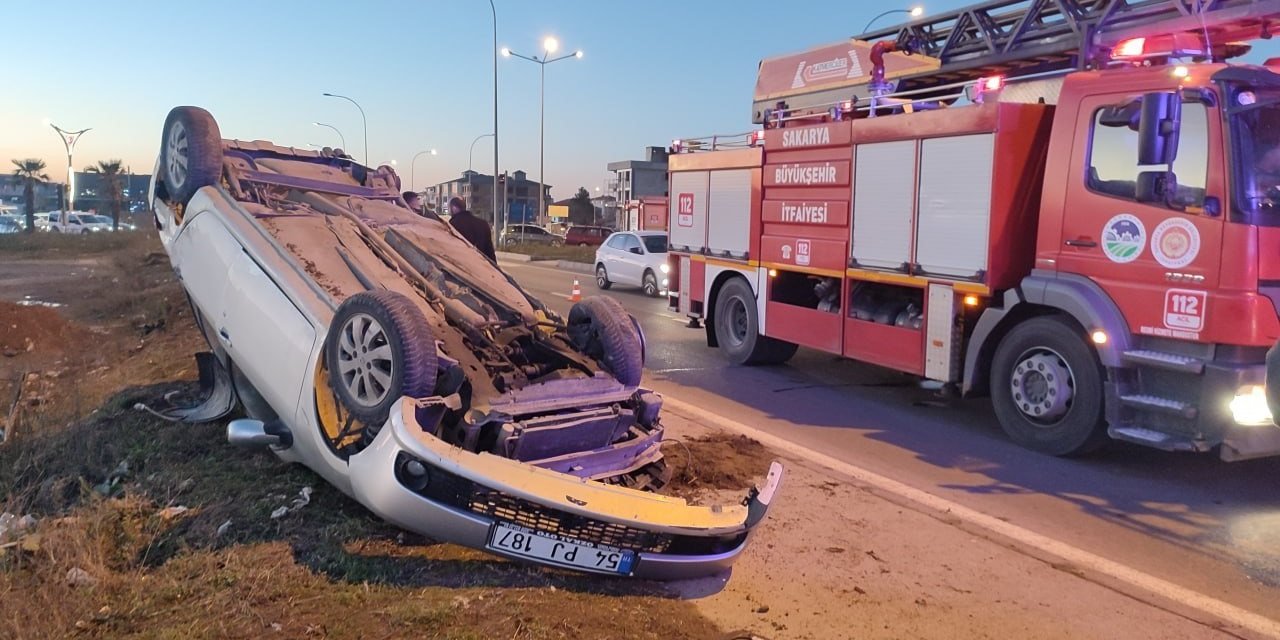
(190, 153)
(601, 328)
(1047, 388)
(737, 327)
(379, 348)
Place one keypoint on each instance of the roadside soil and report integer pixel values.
(147, 529)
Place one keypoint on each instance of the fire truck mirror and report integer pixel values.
(1121, 115)
(1156, 186)
(1158, 128)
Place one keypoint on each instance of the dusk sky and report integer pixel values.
(652, 71)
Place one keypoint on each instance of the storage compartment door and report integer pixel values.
(883, 204)
(729, 213)
(955, 205)
(689, 215)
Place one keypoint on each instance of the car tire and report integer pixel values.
(602, 278)
(379, 331)
(601, 328)
(1047, 388)
(737, 327)
(557, 243)
(190, 152)
(582, 244)
(650, 284)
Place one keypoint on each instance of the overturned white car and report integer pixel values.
(378, 348)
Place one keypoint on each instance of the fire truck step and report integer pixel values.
(1161, 405)
(1162, 360)
(1164, 441)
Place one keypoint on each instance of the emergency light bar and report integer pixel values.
(1165, 46)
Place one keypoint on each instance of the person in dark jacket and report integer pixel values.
(476, 231)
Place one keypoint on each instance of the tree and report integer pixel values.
(110, 170)
(32, 169)
(581, 210)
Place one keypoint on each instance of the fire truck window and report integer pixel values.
(1113, 167)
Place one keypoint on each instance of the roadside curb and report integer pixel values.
(514, 257)
(576, 267)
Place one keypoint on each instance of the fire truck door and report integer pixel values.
(1156, 260)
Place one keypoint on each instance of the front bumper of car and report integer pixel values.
(465, 495)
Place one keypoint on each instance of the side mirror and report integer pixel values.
(1155, 186)
(1158, 128)
(637, 250)
(1126, 115)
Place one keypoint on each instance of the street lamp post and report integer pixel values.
(496, 223)
(69, 139)
(363, 121)
(471, 201)
(914, 12)
(413, 179)
(335, 130)
(549, 46)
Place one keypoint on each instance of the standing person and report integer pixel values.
(476, 231)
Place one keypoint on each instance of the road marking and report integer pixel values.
(1079, 557)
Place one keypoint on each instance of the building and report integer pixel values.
(477, 190)
(91, 192)
(48, 194)
(634, 179)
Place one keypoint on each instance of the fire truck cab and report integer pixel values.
(1096, 247)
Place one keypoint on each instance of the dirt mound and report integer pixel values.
(36, 328)
(712, 462)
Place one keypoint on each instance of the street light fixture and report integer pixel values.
(69, 139)
(471, 201)
(363, 121)
(335, 130)
(413, 165)
(914, 12)
(549, 45)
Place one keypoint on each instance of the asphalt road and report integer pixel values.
(1190, 519)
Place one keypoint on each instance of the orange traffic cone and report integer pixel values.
(576, 294)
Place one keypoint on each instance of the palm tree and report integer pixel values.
(110, 170)
(32, 169)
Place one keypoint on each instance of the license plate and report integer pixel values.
(557, 550)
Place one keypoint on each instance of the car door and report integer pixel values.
(1157, 261)
(631, 259)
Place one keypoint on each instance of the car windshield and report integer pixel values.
(1256, 129)
(655, 244)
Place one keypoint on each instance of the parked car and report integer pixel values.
(75, 223)
(637, 258)
(394, 360)
(10, 224)
(529, 234)
(584, 236)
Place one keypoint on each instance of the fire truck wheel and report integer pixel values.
(602, 277)
(1046, 386)
(190, 153)
(737, 326)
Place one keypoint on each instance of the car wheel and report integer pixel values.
(737, 328)
(582, 244)
(190, 152)
(601, 328)
(650, 285)
(379, 348)
(602, 277)
(557, 242)
(1047, 388)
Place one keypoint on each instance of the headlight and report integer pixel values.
(666, 268)
(1249, 407)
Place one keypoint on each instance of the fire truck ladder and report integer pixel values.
(1014, 38)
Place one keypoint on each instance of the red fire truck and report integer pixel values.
(1071, 207)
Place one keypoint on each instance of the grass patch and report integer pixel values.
(45, 245)
(544, 252)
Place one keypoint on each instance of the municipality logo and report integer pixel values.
(1123, 238)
